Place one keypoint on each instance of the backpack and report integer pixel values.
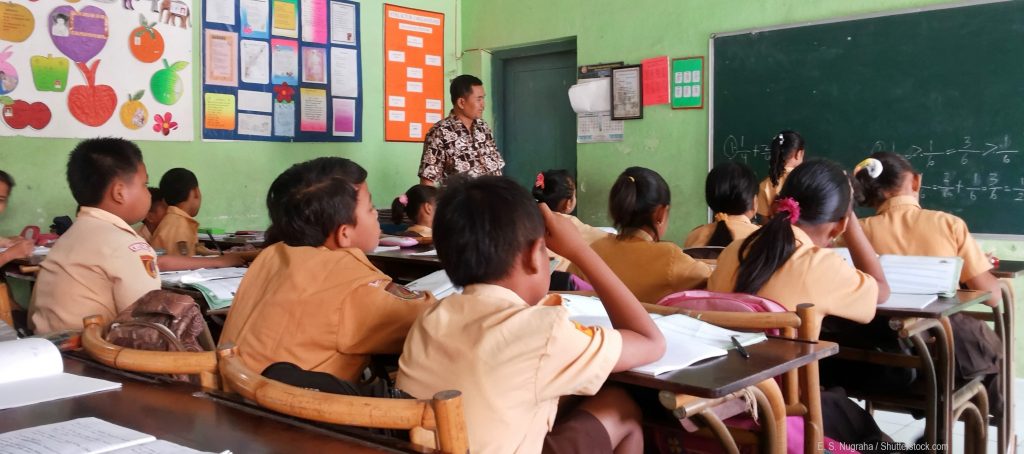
(162, 321)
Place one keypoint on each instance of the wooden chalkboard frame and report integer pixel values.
(710, 74)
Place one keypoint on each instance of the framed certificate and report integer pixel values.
(627, 93)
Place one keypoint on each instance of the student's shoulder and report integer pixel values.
(944, 218)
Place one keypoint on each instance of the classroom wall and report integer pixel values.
(672, 142)
(234, 176)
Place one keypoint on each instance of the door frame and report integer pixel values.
(498, 62)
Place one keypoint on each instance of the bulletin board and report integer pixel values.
(282, 70)
(92, 69)
(413, 72)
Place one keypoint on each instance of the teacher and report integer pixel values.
(462, 143)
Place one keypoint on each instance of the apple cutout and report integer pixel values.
(49, 73)
(21, 114)
(165, 85)
(79, 35)
(91, 104)
(16, 22)
(8, 74)
(145, 42)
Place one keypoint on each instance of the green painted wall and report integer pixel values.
(672, 142)
(234, 176)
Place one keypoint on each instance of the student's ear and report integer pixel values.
(118, 191)
(195, 194)
(535, 259)
(341, 237)
(660, 215)
(839, 228)
(915, 183)
(427, 209)
(799, 155)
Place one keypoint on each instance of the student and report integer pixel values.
(888, 183)
(787, 152)
(100, 266)
(313, 299)
(16, 247)
(651, 269)
(417, 204)
(729, 191)
(178, 232)
(157, 211)
(508, 346)
(557, 190)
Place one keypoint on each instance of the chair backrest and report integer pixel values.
(441, 415)
(203, 364)
(704, 252)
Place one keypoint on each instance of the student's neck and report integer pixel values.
(520, 286)
(114, 209)
(184, 207)
(819, 233)
(792, 162)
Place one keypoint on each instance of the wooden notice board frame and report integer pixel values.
(413, 72)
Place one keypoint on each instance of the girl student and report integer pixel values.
(730, 191)
(888, 183)
(787, 152)
(639, 207)
(417, 204)
(557, 190)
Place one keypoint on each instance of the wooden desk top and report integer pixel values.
(943, 307)
(1009, 269)
(720, 376)
(176, 413)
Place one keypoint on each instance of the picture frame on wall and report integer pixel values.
(627, 93)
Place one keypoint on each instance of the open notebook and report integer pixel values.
(32, 371)
(86, 436)
(915, 281)
(437, 283)
(218, 285)
(687, 339)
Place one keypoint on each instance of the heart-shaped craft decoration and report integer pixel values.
(80, 35)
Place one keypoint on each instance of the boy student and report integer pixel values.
(313, 299)
(178, 232)
(157, 211)
(15, 247)
(511, 349)
(100, 265)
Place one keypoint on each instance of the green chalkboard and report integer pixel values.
(943, 87)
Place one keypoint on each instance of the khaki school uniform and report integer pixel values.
(902, 227)
(512, 362)
(811, 275)
(176, 227)
(100, 266)
(651, 270)
(739, 225)
(767, 192)
(322, 310)
(421, 230)
(143, 231)
(589, 233)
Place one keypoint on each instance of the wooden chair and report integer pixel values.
(440, 418)
(799, 396)
(706, 252)
(203, 364)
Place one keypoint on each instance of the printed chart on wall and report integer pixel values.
(282, 70)
(413, 72)
(70, 69)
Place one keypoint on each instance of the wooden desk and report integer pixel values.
(177, 413)
(721, 376)
(402, 266)
(942, 307)
(1009, 269)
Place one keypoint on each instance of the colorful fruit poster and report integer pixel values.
(87, 69)
(299, 71)
(414, 82)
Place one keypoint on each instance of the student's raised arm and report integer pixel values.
(642, 342)
(863, 254)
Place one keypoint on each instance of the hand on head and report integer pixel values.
(560, 235)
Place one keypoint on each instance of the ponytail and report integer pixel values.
(398, 210)
(635, 195)
(870, 190)
(783, 146)
(552, 187)
(764, 252)
(722, 236)
(408, 205)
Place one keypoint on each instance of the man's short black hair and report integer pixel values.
(482, 225)
(95, 163)
(176, 184)
(7, 179)
(312, 199)
(462, 86)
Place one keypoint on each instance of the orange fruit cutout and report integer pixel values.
(134, 114)
(145, 42)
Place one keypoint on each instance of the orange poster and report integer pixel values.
(413, 72)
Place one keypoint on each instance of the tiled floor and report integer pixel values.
(905, 428)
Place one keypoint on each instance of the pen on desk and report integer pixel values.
(214, 241)
(739, 347)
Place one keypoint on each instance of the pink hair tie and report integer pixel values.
(539, 182)
(788, 205)
(403, 199)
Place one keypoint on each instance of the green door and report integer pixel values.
(536, 124)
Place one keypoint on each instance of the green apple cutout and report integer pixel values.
(166, 85)
(49, 73)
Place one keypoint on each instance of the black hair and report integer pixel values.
(730, 189)
(822, 190)
(482, 225)
(176, 185)
(7, 179)
(312, 199)
(462, 86)
(155, 196)
(870, 192)
(95, 163)
(558, 186)
(784, 145)
(634, 196)
(61, 16)
(416, 196)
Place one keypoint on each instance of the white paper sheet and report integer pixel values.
(220, 11)
(591, 95)
(254, 125)
(255, 62)
(344, 72)
(343, 23)
(257, 101)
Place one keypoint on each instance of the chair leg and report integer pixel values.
(771, 408)
(720, 431)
